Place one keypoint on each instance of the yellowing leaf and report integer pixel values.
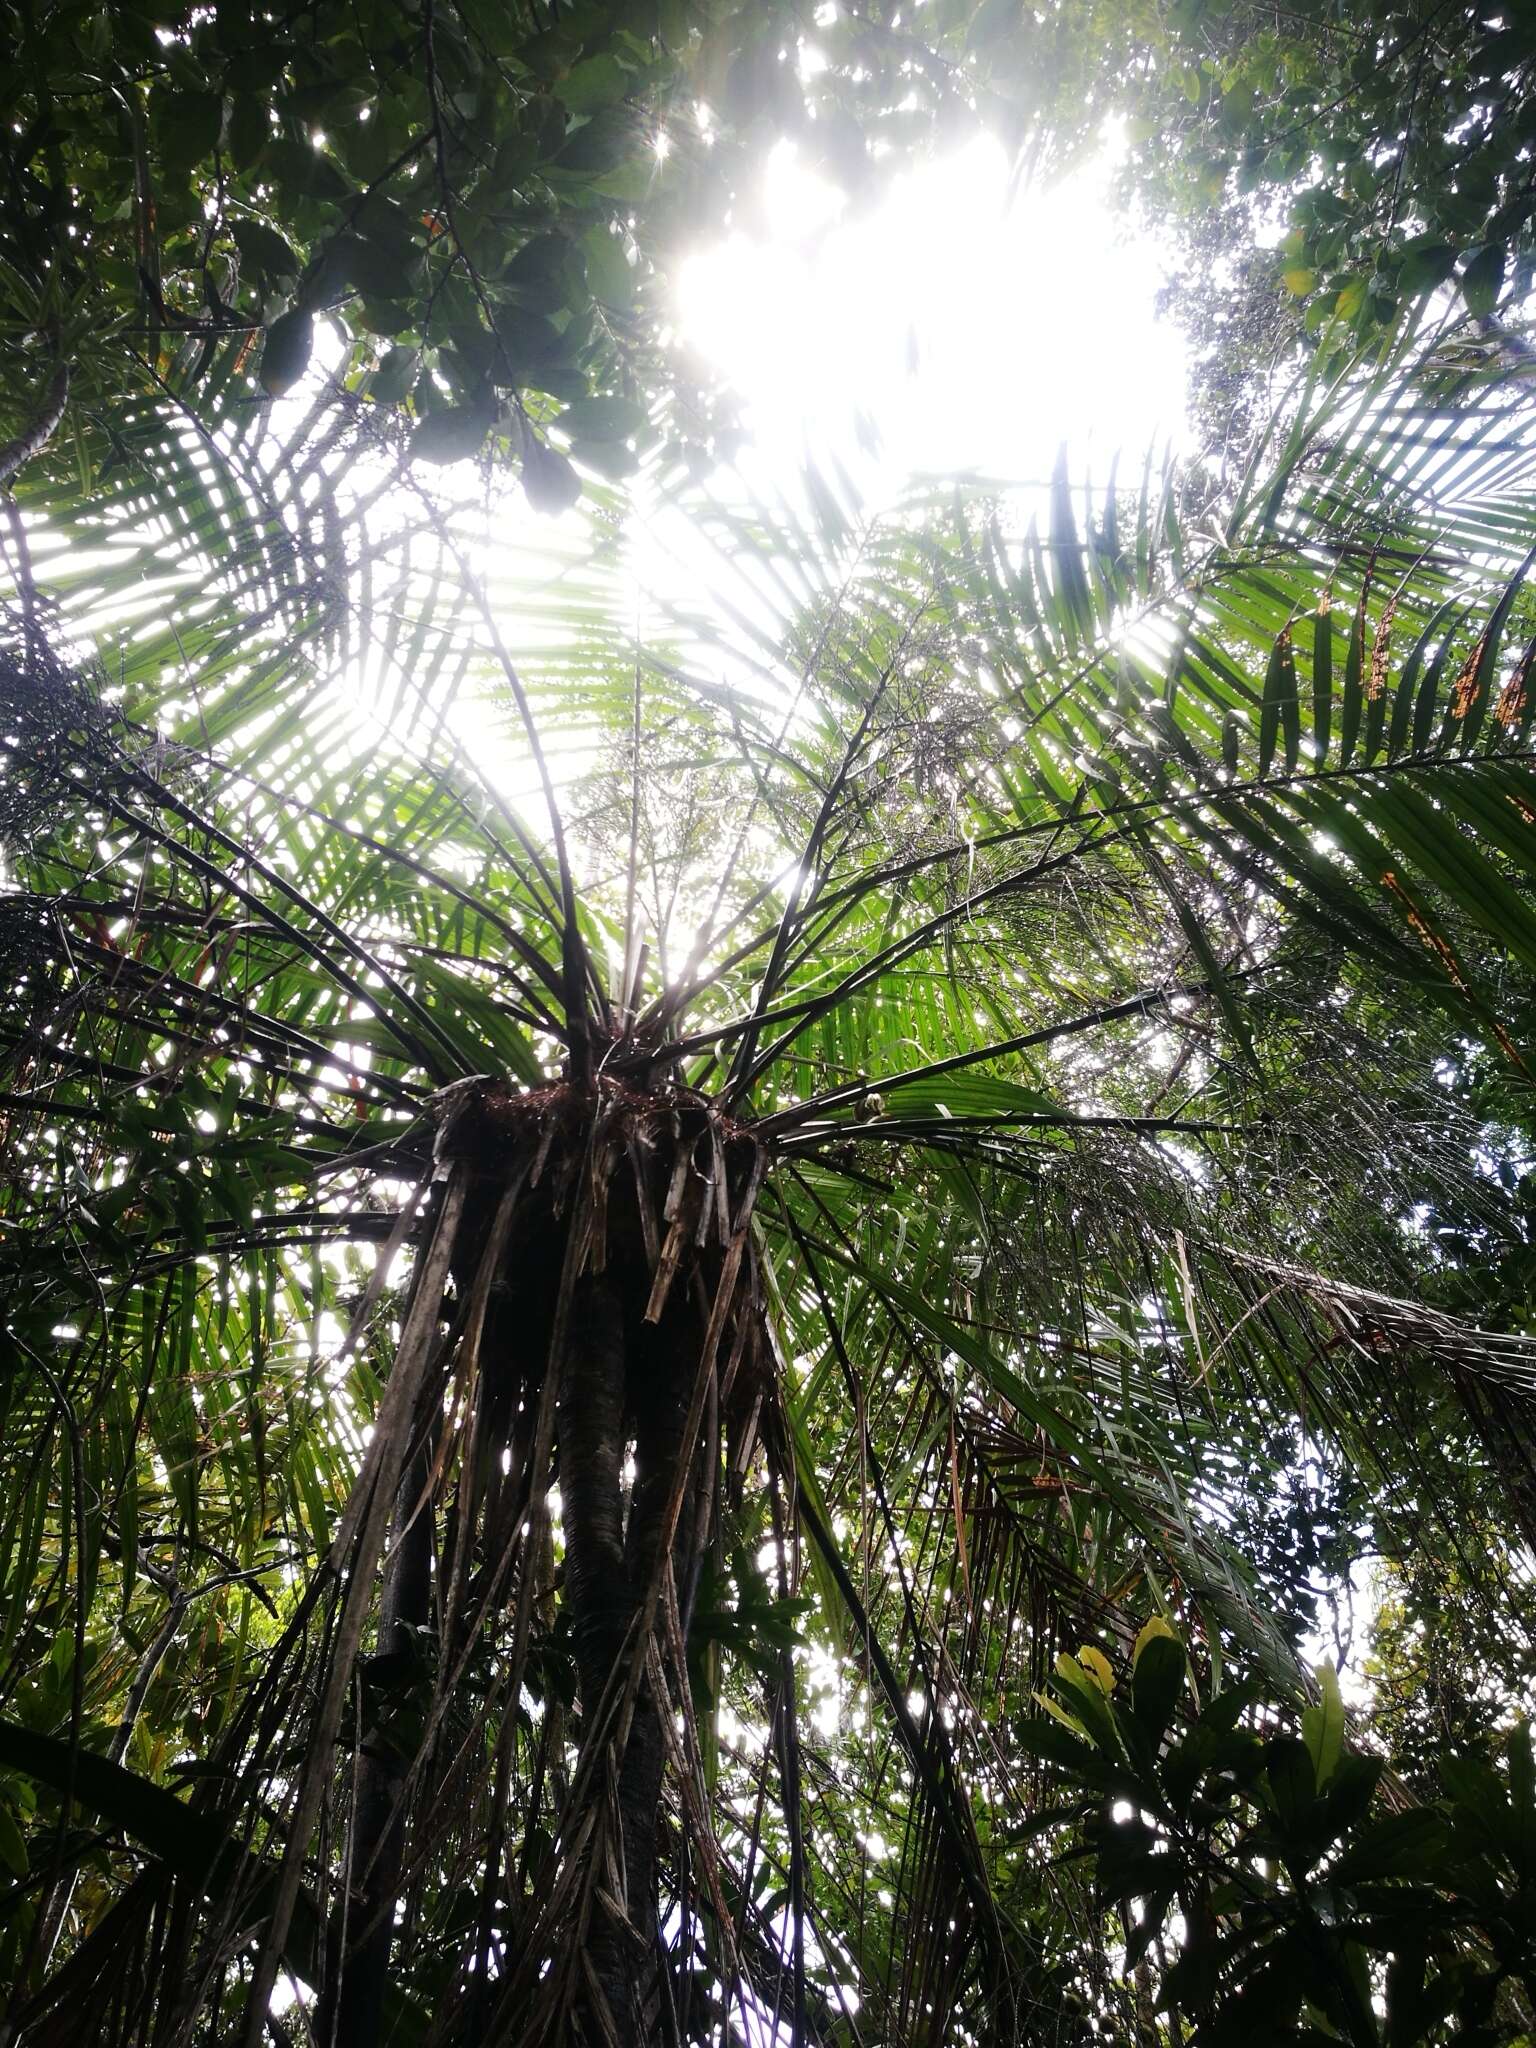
(1096, 1664)
(1350, 299)
(1060, 1713)
(1300, 281)
(1154, 1628)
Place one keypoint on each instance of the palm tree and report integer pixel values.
(573, 1363)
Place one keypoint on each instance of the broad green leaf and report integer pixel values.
(1322, 1726)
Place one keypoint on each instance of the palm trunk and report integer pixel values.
(609, 1382)
(621, 1377)
(351, 2016)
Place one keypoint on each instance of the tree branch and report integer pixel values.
(33, 439)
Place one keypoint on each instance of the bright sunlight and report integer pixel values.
(965, 322)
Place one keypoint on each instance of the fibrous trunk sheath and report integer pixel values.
(623, 1380)
(362, 1946)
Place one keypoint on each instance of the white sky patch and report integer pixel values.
(957, 323)
(972, 325)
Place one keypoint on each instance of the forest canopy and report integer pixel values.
(765, 1243)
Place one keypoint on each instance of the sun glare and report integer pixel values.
(960, 323)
